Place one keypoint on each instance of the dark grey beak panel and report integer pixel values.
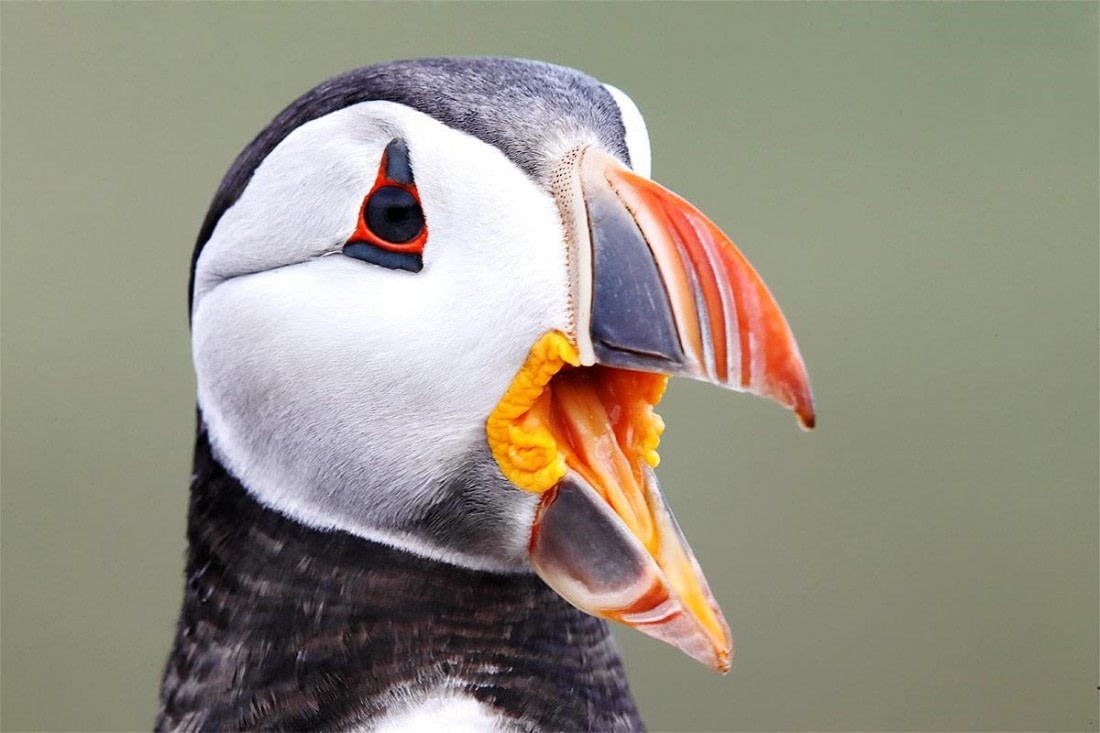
(632, 325)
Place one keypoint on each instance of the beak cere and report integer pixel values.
(658, 290)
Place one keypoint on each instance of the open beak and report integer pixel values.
(658, 290)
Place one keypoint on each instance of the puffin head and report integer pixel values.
(434, 305)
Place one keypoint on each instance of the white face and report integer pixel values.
(347, 394)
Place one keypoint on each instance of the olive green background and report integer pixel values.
(917, 183)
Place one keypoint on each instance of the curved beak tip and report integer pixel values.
(803, 407)
(806, 419)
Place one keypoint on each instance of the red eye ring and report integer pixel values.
(391, 217)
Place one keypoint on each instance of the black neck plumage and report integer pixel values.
(284, 627)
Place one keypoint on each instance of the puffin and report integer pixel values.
(434, 305)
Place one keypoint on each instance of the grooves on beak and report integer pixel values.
(662, 289)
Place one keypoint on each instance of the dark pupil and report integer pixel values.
(394, 215)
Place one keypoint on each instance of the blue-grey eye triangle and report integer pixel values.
(398, 168)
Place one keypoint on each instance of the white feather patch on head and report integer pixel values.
(346, 394)
(637, 136)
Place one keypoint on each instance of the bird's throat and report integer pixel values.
(284, 626)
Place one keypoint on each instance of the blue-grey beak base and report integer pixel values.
(632, 324)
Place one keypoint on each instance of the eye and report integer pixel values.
(391, 231)
(393, 215)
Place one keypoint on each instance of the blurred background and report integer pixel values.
(917, 183)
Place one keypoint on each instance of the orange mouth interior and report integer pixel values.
(600, 423)
(578, 406)
(596, 421)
